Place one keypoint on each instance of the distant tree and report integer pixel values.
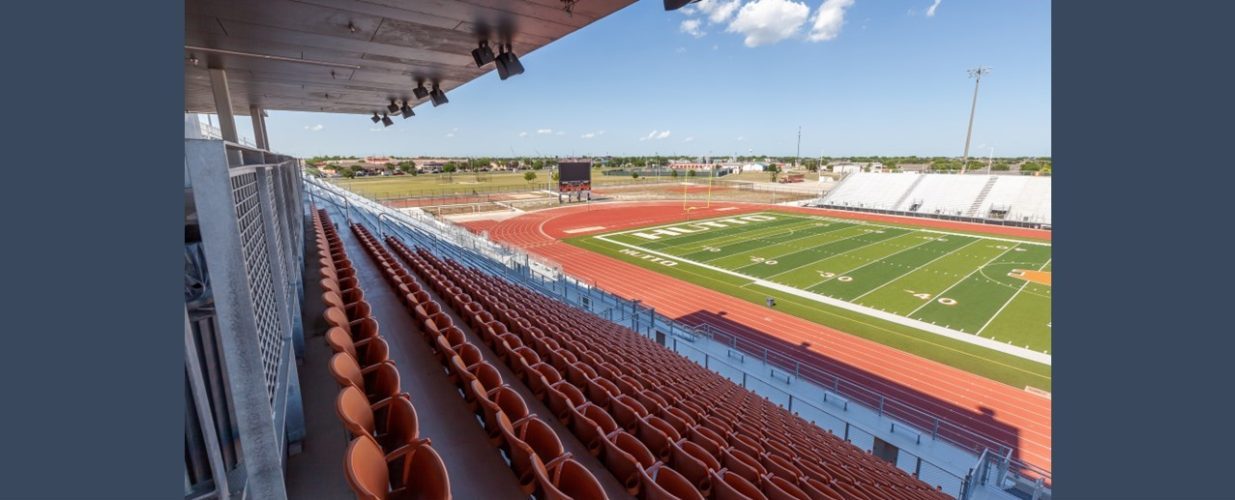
(1031, 166)
(634, 175)
(773, 171)
(673, 173)
(538, 164)
(555, 176)
(347, 172)
(529, 176)
(691, 173)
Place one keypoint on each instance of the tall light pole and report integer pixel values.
(798, 156)
(976, 74)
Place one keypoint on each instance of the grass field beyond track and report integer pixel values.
(990, 287)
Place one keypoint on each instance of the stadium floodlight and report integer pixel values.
(386, 120)
(376, 118)
(438, 97)
(420, 91)
(508, 64)
(406, 110)
(677, 4)
(394, 106)
(483, 54)
(976, 74)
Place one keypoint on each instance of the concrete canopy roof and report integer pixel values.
(354, 56)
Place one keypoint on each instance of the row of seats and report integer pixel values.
(387, 457)
(665, 426)
(533, 449)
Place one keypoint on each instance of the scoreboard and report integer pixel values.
(574, 180)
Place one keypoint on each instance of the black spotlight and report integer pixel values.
(482, 55)
(386, 120)
(407, 110)
(420, 91)
(508, 64)
(677, 4)
(376, 118)
(439, 97)
(394, 106)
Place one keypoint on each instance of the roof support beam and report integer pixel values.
(223, 105)
(259, 127)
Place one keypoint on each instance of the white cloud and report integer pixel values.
(377, 129)
(692, 27)
(688, 139)
(560, 132)
(655, 135)
(930, 11)
(591, 135)
(741, 138)
(770, 21)
(314, 128)
(544, 131)
(680, 50)
(828, 20)
(450, 135)
(718, 11)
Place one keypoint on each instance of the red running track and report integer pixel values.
(1009, 414)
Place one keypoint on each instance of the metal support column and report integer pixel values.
(259, 127)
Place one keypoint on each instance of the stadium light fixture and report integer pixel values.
(438, 97)
(394, 106)
(420, 91)
(483, 54)
(677, 4)
(376, 118)
(406, 110)
(386, 120)
(508, 64)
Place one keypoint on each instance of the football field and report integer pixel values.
(923, 290)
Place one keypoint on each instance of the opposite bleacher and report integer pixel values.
(1025, 199)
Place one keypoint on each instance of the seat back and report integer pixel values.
(729, 486)
(367, 473)
(427, 475)
(777, 488)
(355, 412)
(662, 483)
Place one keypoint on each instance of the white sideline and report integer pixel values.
(992, 344)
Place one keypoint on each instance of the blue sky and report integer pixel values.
(870, 78)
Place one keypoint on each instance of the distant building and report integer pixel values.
(914, 167)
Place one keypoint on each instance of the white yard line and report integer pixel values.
(1005, 304)
(911, 271)
(798, 249)
(742, 237)
(1019, 352)
(850, 221)
(828, 257)
(906, 249)
(962, 280)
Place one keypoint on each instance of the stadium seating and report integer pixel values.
(1009, 197)
(659, 422)
(380, 417)
(536, 454)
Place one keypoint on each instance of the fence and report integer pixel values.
(244, 254)
(451, 241)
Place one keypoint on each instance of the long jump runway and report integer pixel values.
(1011, 415)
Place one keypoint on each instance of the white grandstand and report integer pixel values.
(1008, 198)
